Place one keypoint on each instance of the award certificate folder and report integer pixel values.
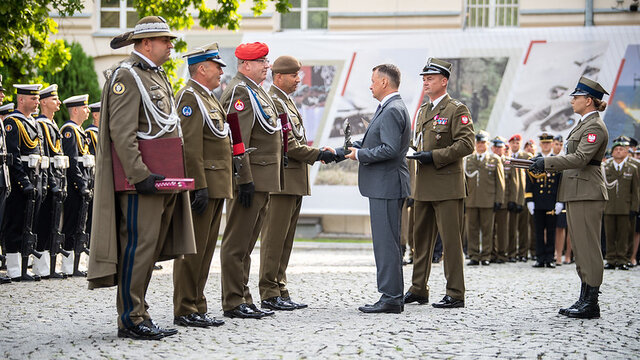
(163, 157)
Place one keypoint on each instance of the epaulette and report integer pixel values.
(424, 104)
(456, 102)
(632, 164)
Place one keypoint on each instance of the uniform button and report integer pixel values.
(541, 191)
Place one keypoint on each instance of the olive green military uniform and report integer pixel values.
(208, 161)
(622, 186)
(502, 217)
(406, 225)
(149, 228)
(439, 191)
(284, 206)
(519, 223)
(632, 220)
(584, 193)
(263, 167)
(485, 180)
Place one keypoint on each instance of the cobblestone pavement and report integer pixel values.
(511, 312)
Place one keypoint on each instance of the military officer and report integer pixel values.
(23, 143)
(541, 195)
(501, 222)
(284, 206)
(622, 185)
(444, 136)
(137, 104)
(92, 139)
(260, 173)
(519, 221)
(583, 191)
(485, 180)
(56, 185)
(207, 146)
(632, 245)
(6, 110)
(5, 182)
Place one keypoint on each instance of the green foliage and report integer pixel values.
(77, 78)
(25, 48)
(178, 16)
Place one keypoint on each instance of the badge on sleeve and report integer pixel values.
(8, 127)
(67, 134)
(187, 111)
(591, 138)
(118, 88)
(239, 105)
(464, 119)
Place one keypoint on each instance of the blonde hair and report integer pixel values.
(599, 104)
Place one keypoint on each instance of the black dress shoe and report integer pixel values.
(623, 267)
(276, 303)
(538, 264)
(5, 280)
(211, 321)
(243, 311)
(551, 265)
(79, 273)
(448, 302)
(27, 278)
(609, 266)
(140, 332)
(192, 320)
(435, 260)
(296, 304)
(512, 260)
(163, 331)
(263, 311)
(410, 297)
(500, 261)
(382, 307)
(485, 262)
(57, 275)
(473, 262)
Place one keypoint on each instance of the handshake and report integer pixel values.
(327, 155)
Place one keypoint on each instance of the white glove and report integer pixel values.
(559, 207)
(531, 206)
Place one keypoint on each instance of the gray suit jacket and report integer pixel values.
(383, 172)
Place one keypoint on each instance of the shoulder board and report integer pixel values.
(424, 104)
(456, 102)
(632, 165)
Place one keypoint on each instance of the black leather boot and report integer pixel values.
(563, 311)
(589, 309)
(26, 276)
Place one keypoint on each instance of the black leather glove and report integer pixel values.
(497, 206)
(326, 156)
(200, 200)
(512, 207)
(29, 190)
(538, 166)
(425, 157)
(245, 194)
(633, 214)
(519, 208)
(410, 202)
(148, 185)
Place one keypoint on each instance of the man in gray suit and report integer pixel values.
(383, 177)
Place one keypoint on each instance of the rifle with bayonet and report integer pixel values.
(80, 236)
(29, 239)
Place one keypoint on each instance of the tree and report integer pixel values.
(77, 78)
(25, 49)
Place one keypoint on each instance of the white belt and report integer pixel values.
(32, 160)
(60, 162)
(88, 160)
(44, 162)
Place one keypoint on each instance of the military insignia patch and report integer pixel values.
(67, 134)
(464, 119)
(187, 111)
(118, 88)
(8, 127)
(591, 138)
(239, 105)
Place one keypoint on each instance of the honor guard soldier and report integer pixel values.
(137, 227)
(208, 156)
(541, 195)
(622, 185)
(501, 221)
(92, 138)
(284, 206)
(5, 182)
(583, 191)
(79, 190)
(260, 173)
(633, 245)
(49, 223)
(6, 110)
(485, 180)
(443, 137)
(519, 222)
(23, 143)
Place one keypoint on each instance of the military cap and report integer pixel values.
(1, 87)
(545, 137)
(482, 136)
(633, 142)
(286, 65)
(589, 87)
(529, 142)
(94, 107)
(7, 108)
(437, 66)
(27, 89)
(558, 138)
(515, 137)
(208, 52)
(621, 141)
(498, 141)
(637, 151)
(147, 27)
(77, 100)
(49, 91)
(251, 51)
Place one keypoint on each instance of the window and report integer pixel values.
(492, 13)
(117, 14)
(306, 14)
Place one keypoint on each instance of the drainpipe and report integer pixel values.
(588, 13)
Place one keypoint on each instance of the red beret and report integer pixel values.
(251, 51)
(516, 137)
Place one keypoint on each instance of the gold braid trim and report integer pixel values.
(24, 135)
(55, 148)
(94, 138)
(82, 149)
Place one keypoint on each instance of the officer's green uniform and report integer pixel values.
(524, 218)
